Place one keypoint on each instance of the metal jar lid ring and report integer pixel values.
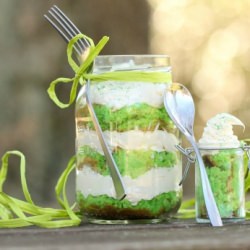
(188, 152)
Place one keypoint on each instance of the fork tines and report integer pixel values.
(66, 28)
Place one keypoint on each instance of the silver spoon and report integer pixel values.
(180, 107)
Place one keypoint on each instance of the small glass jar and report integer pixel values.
(142, 139)
(225, 170)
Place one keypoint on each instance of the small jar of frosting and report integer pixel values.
(222, 154)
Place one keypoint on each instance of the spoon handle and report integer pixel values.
(212, 209)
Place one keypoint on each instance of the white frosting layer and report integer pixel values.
(146, 186)
(119, 94)
(157, 140)
(219, 132)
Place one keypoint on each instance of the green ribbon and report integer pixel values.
(18, 213)
(82, 72)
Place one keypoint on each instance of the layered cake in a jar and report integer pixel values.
(142, 139)
(223, 156)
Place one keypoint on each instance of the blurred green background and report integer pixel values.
(208, 42)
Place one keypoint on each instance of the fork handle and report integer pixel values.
(114, 171)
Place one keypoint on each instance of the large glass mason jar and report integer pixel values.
(142, 139)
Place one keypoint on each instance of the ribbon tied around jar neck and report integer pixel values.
(82, 73)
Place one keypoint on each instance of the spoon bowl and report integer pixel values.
(180, 107)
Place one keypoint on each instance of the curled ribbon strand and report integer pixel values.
(18, 213)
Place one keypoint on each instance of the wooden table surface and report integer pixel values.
(178, 234)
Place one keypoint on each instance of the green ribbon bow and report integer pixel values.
(82, 74)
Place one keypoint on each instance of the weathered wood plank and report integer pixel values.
(175, 235)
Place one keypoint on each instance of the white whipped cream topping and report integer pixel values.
(157, 140)
(120, 94)
(219, 132)
(146, 186)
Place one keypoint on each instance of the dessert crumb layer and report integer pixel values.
(132, 163)
(106, 207)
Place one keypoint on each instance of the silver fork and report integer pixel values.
(66, 28)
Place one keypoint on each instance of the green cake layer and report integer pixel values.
(140, 116)
(106, 207)
(132, 163)
(226, 176)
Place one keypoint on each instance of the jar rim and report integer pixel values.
(219, 148)
(136, 61)
(135, 55)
